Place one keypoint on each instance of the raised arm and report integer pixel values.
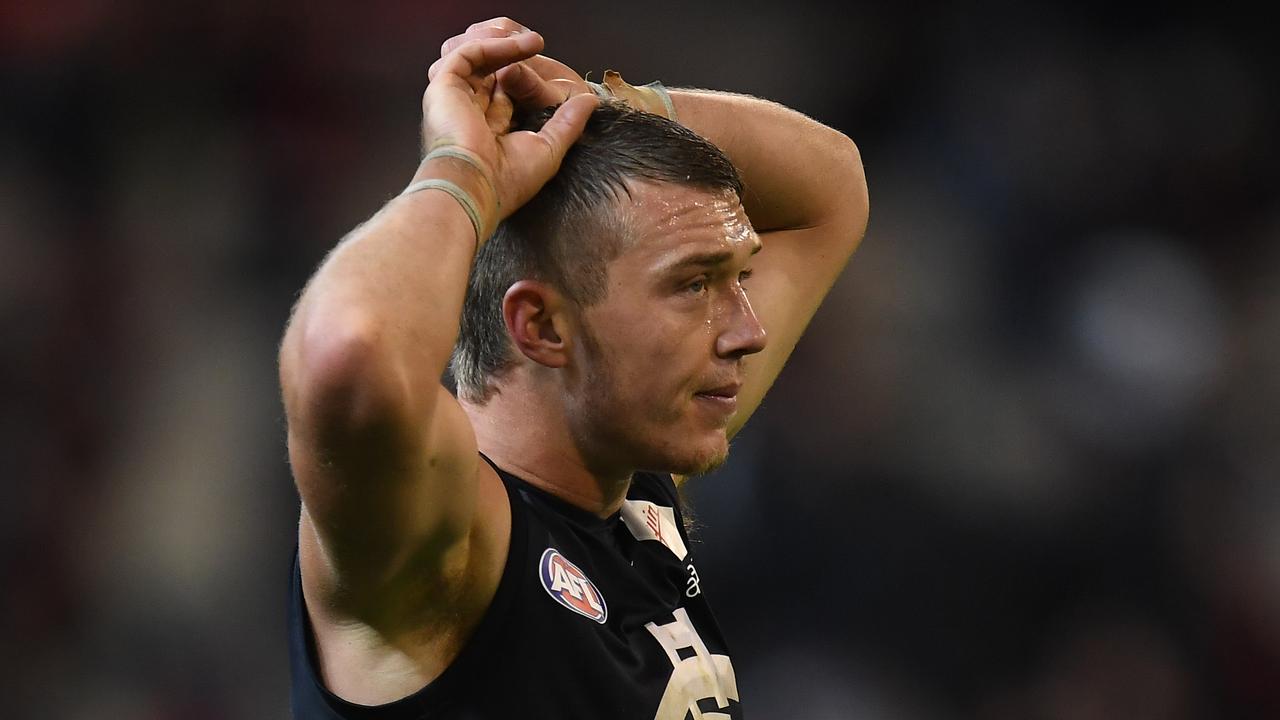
(806, 195)
(384, 459)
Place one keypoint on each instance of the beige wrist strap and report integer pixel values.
(464, 198)
(468, 157)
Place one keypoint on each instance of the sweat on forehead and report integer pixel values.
(692, 214)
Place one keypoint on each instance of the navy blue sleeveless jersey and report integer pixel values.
(593, 618)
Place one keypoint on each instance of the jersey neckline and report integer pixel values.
(578, 516)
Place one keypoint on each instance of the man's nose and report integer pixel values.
(743, 334)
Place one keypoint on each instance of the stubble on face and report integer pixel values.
(633, 428)
(645, 353)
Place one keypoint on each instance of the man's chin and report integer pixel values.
(701, 463)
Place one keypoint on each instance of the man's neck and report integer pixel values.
(530, 438)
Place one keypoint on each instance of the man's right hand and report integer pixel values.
(533, 83)
(467, 108)
(539, 81)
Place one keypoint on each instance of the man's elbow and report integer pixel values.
(851, 203)
(849, 158)
(336, 373)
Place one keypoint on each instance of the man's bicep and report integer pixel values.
(790, 278)
(386, 492)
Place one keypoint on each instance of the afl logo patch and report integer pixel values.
(569, 586)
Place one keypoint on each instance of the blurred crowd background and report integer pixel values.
(1023, 466)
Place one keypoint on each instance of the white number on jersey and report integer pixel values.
(700, 677)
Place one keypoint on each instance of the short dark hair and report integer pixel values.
(569, 232)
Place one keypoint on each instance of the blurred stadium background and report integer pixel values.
(1024, 465)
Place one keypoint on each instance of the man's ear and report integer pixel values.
(537, 320)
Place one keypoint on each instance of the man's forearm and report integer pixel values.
(797, 172)
(385, 304)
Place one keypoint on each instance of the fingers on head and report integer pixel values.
(505, 23)
(529, 89)
(566, 125)
(487, 56)
(475, 33)
(524, 86)
(562, 89)
(497, 115)
(514, 79)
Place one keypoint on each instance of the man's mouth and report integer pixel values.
(722, 399)
(724, 391)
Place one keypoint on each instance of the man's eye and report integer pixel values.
(696, 287)
(742, 276)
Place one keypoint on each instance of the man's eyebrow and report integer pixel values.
(708, 259)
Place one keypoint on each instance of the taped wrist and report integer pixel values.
(652, 97)
(478, 195)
